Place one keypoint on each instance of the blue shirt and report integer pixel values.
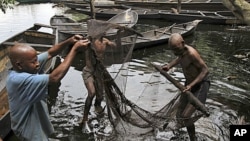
(27, 100)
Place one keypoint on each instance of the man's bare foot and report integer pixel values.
(85, 127)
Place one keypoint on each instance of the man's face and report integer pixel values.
(29, 63)
(178, 48)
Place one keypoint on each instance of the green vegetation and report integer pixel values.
(4, 4)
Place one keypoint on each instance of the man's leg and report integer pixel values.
(191, 132)
(85, 126)
(99, 96)
(188, 121)
(88, 102)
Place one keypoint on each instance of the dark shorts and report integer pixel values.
(87, 75)
(201, 89)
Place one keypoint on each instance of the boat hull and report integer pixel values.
(161, 35)
(67, 27)
(33, 1)
(108, 13)
(219, 17)
(211, 5)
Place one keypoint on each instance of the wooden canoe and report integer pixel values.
(98, 4)
(143, 13)
(38, 39)
(207, 17)
(210, 5)
(161, 35)
(67, 27)
(60, 19)
(33, 1)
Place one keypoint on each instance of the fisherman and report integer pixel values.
(27, 87)
(196, 74)
(93, 78)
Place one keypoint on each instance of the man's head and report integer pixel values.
(24, 58)
(177, 44)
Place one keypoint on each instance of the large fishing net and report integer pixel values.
(129, 120)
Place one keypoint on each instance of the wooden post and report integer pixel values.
(179, 6)
(192, 99)
(92, 8)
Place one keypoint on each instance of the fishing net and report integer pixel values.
(130, 120)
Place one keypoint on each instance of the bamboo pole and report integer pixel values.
(192, 99)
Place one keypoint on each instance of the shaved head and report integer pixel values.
(177, 44)
(20, 52)
(174, 39)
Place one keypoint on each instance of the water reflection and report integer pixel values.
(24, 16)
(228, 99)
(225, 66)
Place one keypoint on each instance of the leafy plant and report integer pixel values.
(4, 4)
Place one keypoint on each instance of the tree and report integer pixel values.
(6, 4)
(240, 8)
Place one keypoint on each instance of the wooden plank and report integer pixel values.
(33, 45)
(215, 13)
(74, 31)
(5, 115)
(165, 31)
(201, 13)
(162, 32)
(4, 105)
(44, 25)
(63, 24)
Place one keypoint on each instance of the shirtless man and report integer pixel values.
(196, 74)
(92, 77)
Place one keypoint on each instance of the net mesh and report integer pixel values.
(130, 120)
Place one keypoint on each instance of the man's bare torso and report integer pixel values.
(190, 70)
